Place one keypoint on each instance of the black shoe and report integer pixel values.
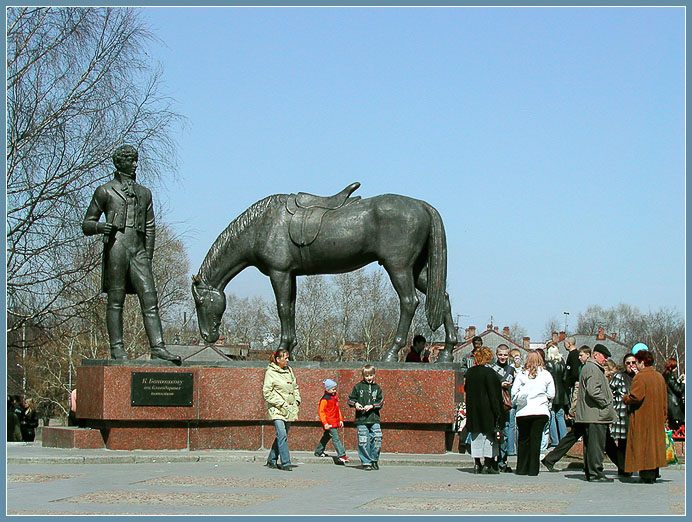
(375, 465)
(622, 473)
(477, 469)
(272, 465)
(287, 467)
(118, 353)
(159, 352)
(321, 454)
(646, 481)
(600, 479)
(506, 469)
(489, 470)
(549, 466)
(367, 467)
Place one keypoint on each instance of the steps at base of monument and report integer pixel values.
(72, 437)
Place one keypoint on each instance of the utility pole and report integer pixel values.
(566, 314)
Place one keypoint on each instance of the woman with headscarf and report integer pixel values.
(280, 390)
(483, 410)
(532, 391)
(646, 438)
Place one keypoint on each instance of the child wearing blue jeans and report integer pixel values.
(366, 397)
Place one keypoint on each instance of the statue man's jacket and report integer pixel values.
(109, 199)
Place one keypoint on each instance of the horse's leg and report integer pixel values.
(292, 339)
(282, 283)
(450, 330)
(402, 280)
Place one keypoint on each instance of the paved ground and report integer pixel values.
(50, 481)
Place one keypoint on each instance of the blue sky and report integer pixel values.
(551, 140)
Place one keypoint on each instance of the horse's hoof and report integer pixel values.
(390, 356)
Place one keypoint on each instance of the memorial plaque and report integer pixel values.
(161, 389)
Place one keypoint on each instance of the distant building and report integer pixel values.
(492, 338)
(615, 347)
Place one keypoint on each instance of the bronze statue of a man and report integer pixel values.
(128, 237)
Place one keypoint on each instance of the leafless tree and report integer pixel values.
(79, 84)
(552, 325)
(517, 333)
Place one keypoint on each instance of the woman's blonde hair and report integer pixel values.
(533, 362)
(513, 353)
(554, 353)
(483, 355)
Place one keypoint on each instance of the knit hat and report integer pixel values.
(329, 384)
(602, 349)
(639, 347)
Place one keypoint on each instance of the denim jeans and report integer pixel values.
(558, 427)
(331, 433)
(280, 446)
(512, 432)
(504, 447)
(369, 443)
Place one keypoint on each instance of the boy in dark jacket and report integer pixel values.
(331, 418)
(366, 398)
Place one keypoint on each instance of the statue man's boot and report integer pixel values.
(391, 355)
(114, 323)
(152, 325)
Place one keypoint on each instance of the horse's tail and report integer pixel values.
(437, 270)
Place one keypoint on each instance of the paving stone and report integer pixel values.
(170, 498)
(47, 512)
(32, 477)
(231, 482)
(493, 488)
(676, 489)
(677, 508)
(464, 504)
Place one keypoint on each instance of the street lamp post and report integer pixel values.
(566, 314)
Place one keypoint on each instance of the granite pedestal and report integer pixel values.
(227, 410)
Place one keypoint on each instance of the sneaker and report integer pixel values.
(367, 467)
(321, 454)
(506, 469)
(343, 459)
(375, 465)
(272, 465)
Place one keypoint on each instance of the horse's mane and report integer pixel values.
(225, 240)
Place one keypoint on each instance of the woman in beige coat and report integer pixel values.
(280, 390)
(648, 400)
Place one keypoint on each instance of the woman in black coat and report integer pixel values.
(483, 409)
(558, 369)
(676, 395)
(29, 421)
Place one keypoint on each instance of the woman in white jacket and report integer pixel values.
(532, 392)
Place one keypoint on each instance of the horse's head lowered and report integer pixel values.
(210, 304)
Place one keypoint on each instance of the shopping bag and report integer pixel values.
(671, 457)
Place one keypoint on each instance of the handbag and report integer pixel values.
(506, 399)
(671, 457)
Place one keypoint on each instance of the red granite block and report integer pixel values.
(71, 437)
(108, 396)
(240, 437)
(408, 439)
(153, 438)
(231, 394)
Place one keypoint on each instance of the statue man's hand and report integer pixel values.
(104, 228)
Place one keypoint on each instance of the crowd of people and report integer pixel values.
(619, 412)
(22, 419)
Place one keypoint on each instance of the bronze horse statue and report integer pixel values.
(287, 235)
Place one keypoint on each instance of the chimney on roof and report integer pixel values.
(489, 327)
(601, 335)
(505, 331)
(554, 337)
(526, 343)
(470, 332)
(614, 336)
(496, 328)
(562, 336)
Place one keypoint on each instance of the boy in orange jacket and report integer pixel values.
(331, 418)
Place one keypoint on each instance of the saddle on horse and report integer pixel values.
(307, 211)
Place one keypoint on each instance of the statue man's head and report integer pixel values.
(125, 159)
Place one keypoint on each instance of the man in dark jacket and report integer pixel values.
(128, 237)
(505, 372)
(595, 410)
(418, 352)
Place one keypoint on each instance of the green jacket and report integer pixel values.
(280, 390)
(595, 398)
(364, 394)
